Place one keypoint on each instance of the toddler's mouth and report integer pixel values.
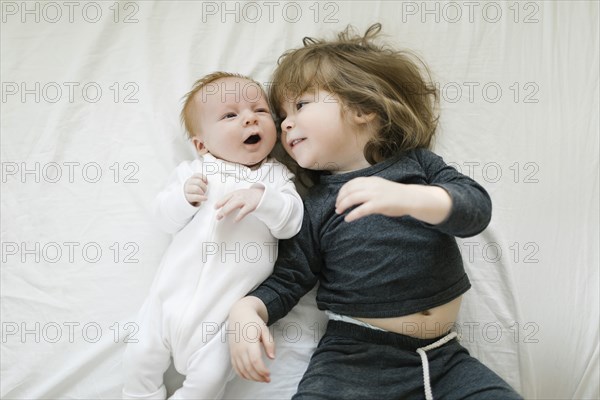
(253, 139)
(294, 142)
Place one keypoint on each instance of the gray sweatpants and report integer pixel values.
(354, 363)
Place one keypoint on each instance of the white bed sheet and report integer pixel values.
(90, 105)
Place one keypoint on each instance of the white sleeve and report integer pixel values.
(281, 207)
(171, 210)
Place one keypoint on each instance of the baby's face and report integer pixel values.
(235, 121)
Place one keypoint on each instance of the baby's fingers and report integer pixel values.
(196, 198)
(198, 175)
(195, 185)
(223, 200)
(231, 205)
(245, 210)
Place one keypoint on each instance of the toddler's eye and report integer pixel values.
(300, 104)
(262, 110)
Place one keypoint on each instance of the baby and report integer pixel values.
(226, 211)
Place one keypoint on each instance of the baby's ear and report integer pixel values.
(199, 145)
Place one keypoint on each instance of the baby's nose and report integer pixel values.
(251, 118)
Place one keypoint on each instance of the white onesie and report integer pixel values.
(209, 265)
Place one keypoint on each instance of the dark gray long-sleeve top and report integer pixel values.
(378, 266)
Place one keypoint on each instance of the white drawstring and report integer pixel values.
(422, 352)
(337, 317)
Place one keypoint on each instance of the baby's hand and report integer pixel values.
(195, 189)
(246, 200)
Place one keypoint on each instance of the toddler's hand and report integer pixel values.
(195, 189)
(246, 349)
(246, 200)
(373, 195)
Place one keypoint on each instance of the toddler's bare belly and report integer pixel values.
(427, 324)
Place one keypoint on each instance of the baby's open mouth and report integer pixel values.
(252, 139)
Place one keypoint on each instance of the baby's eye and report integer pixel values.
(229, 115)
(262, 110)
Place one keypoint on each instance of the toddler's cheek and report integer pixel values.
(286, 147)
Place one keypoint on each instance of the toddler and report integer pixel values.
(378, 231)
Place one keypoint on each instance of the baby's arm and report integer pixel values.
(281, 207)
(274, 201)
(175, 205)
(243, 200)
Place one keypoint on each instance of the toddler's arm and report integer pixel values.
(249, 315)
(430, 204)
(295, 274)
(452, 202)
(471, 209)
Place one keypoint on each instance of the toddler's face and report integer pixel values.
(235, 121)
(319, 136)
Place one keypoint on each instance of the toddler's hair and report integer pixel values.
(367, 78)
(187, 111)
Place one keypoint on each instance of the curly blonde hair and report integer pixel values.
(367, 77)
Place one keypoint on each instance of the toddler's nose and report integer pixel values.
(286, 124)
